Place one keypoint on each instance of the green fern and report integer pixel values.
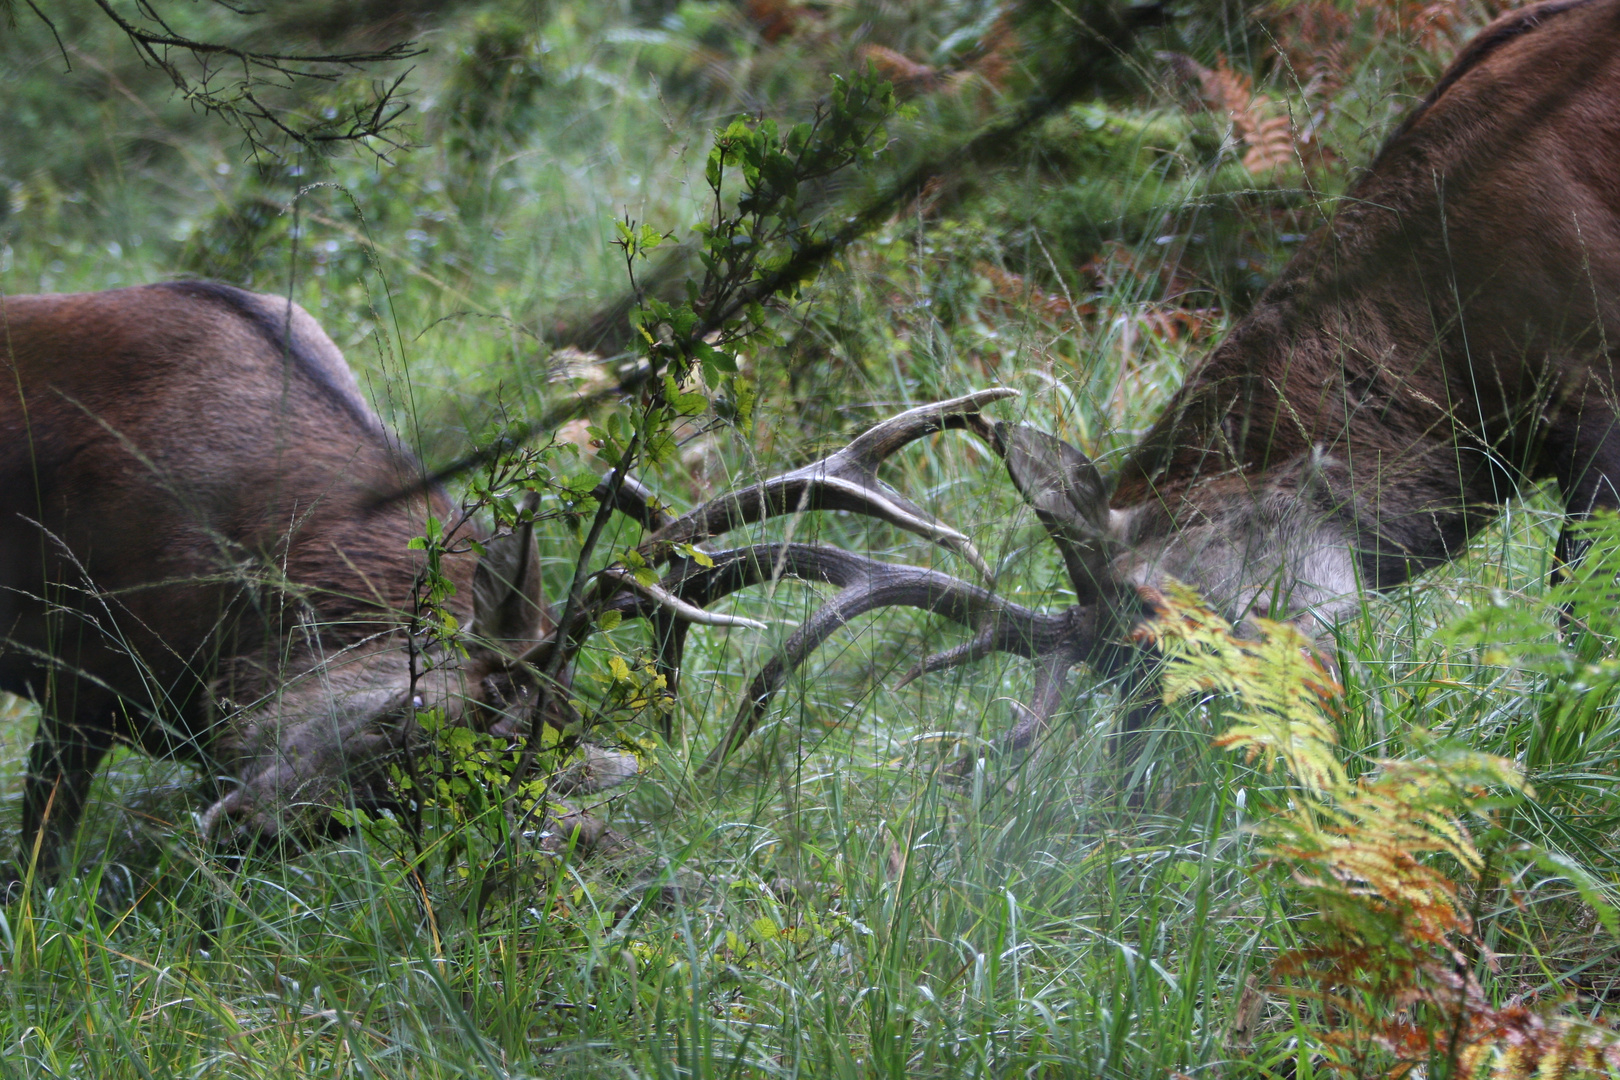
(1387, 861)
(1282, 693)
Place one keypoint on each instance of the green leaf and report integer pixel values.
(696, 554)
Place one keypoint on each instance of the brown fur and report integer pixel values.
(1447, 338)
(192, 554)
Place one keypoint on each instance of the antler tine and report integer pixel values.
(982, 645)
(996, 635)
(1051, 676)
(844, 480)
(690, 614)
(678, 600)
(866, 586)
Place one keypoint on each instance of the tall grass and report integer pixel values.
(834, 904)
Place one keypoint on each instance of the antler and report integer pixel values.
(1062, 485)
(864, 585)
(845, 480)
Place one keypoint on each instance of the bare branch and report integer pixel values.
(241, 102)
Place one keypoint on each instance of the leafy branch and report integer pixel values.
(690, 348)
(478, 783)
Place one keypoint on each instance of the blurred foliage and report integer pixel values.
(214, 57)
(539, 122)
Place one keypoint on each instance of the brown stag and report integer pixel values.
(202, 554)
(190, 558)
(1448, 338)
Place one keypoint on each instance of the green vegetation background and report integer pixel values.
(831, 907)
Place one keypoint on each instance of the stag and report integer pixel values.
(205, 553)
(1446, 340)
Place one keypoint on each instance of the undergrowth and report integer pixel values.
(1392, 961)
(1412, 875)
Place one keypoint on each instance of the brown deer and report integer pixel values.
(190, 557)
(204, 553)
(1447, 338)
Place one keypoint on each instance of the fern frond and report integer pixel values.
(1385, 859)
(1283, 693)
(1268, 136)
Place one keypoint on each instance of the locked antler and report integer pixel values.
(1064, 488)
(845, 480)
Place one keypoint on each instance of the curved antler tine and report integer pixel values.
(804, 641)
(636, 501)
(671, 613)
(982, 645)
(728, 572)
(617, 589)
(687, 613)
(678, 601)
(844, 480)
(1017, 629)
(1050, 677)
(881, 441)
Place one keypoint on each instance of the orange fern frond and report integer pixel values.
(909, 76)
(1266, 133)
(1271, 145)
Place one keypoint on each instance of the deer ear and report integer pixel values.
(1067, 493)
(509, 610)
(1056, 479)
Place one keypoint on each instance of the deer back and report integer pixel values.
(176, 461)
(1445, 338)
